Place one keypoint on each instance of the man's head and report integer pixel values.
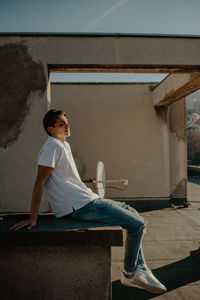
(56, 124)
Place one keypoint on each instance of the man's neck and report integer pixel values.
(62, 140)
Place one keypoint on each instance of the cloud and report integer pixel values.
(105, 14)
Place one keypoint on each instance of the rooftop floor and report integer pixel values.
(172, 233)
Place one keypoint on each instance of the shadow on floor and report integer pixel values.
(173, 276)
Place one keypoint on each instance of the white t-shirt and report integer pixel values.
(64, 188)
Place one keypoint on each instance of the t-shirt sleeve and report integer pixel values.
(49, 155)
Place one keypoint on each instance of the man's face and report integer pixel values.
(61, 129)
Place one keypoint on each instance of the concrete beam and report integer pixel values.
(108, 53)
(120, 68)
(175, 87)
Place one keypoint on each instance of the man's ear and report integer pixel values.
(50, 129)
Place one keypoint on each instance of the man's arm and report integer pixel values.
(42, 176)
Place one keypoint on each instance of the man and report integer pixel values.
(68, 195)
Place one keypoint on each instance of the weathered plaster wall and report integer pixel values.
(20, 76)
(117, 123)
(23, 81)
(25, 97)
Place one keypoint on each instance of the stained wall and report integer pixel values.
(25, 63)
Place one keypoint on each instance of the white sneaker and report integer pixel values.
(143, 278)
(129, 281)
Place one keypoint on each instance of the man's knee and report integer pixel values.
(143, 225)
(140, 226)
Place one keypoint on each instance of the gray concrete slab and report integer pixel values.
(173, 235)
(58, 232)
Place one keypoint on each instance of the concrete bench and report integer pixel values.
(58, 259)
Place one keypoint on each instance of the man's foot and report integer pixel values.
(143, 278)
(129, 281)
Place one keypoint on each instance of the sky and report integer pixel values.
(171, 17)
(108, 16)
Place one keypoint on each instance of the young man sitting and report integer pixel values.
(68, 195)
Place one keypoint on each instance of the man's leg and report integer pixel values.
(129, 241)
(116, 213)
(135, 273)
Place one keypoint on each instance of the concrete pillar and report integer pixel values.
(178, 150)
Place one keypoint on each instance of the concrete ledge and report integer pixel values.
(59, 232)
(55, 273)
(56, 260)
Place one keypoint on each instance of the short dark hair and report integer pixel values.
(50, 118)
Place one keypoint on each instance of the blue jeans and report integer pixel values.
(118, 213)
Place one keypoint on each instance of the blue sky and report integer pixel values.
(122, 16)
(102, 16)
(106, 77)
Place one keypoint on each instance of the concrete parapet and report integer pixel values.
(58, 259)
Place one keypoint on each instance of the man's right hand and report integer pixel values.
(27, 222)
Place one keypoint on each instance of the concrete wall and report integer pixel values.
(55, 273)
(23, 94)
(116, 123)
(178, 149)
(25, 63)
